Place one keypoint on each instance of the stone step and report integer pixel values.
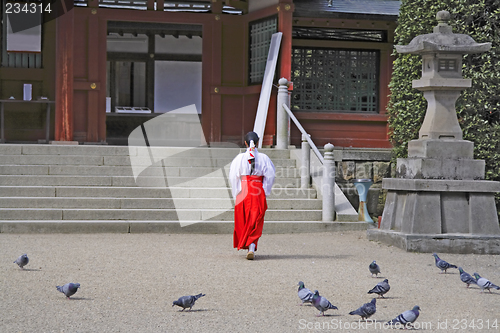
(42, 180)
(123, 161)
(63, 180)
(169, 227)
(93, 170)
(185, 161)
(148, 214)
(148, 203)
(141, 192)
(103, 150)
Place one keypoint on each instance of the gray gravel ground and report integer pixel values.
(128, 283)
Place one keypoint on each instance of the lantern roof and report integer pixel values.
(443, 40)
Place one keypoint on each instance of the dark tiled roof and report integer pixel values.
(389, 9)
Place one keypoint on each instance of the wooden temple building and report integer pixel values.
(110, 65)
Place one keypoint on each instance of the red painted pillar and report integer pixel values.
(64, 77)
(285, 15)
(93, 77)
(216, 55)
(285, 18)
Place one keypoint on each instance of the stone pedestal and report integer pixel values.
(440, 202)
(440, 159)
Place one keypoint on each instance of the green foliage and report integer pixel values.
(478, 108)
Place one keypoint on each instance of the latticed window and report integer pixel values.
(335, 79)
(260, 39)
(339, 34)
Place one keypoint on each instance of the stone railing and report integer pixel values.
(328, 183)
(348, 164)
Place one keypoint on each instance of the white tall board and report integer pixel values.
(267, 84)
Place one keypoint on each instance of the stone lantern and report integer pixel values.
(439, 200)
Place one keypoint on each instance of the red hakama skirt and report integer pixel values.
(251, 205)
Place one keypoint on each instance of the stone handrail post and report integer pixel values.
(282, 116)
(305, 170)
(328, 186)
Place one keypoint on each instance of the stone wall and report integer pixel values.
(374, 164)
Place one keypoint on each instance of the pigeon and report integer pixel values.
(366, 310)
(69, 289)
(22, 261)
(321, 303)
(187, 301)
(381, 288)
(374, 268)
(406, 318)
(466, 277)
(305, 294)
(484, 283)
(442, 265)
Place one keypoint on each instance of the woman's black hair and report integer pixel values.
(248, 137)
(252, 136)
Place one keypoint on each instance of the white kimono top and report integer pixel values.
(240, 167)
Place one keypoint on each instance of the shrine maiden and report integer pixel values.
(252, 177)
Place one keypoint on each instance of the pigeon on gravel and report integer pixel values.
(321, 303)
(466, 277)
(381, 288)
(187, 301)
(22, 261)
(406, 318)
(484, 283)
(441, 264)
(366, 310)
(374, 268)
(305, 294)
(69, 289)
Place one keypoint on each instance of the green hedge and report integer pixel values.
(478, 108)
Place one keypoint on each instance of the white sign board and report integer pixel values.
(267, 84)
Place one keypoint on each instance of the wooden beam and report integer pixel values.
(131, 56)
(86, 85)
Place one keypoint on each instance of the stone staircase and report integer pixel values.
(87, 189)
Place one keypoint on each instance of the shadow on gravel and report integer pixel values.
(388, 297)
(299, 256)
(492, 293)
(196, 310)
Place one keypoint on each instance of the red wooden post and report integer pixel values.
(216, 6)
(93, 77)
(64, 77)
(160, 5)
(151, 5)
(285, 17)
(93, 3)
(216, 98)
